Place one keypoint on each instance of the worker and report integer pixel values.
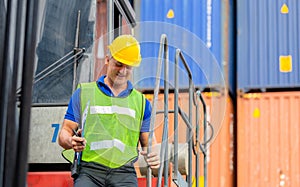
(118, 118)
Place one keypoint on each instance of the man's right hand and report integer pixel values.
(78, 143)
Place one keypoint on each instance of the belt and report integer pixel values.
(129, 163)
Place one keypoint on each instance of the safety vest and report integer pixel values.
(112, 126)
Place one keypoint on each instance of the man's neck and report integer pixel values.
(116, 89)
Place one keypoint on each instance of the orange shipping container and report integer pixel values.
(268, 139)
(220, 151)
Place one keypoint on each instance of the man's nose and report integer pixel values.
(123, 69)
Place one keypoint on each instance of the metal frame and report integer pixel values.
(193, 146)
(75, 54)
(19, 54)
(163, 49)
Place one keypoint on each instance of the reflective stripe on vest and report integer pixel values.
(111, 110)
(104, 144)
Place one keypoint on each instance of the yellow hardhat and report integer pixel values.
(126, 49)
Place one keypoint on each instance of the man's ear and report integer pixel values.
(106, 59)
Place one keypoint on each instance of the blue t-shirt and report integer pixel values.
(73, 111)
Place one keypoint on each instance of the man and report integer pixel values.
(118, 118)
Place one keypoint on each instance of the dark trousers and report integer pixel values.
(96, 175)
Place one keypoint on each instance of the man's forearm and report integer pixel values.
(65, 139)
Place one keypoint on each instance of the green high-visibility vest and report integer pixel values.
(112, 126)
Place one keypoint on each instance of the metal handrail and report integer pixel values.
(177, 110)
(205, 139)
(44, 73)
(57, 64)
(178, 56)
(187, 119)
(163, 49)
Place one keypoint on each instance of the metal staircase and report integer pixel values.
(194, 145)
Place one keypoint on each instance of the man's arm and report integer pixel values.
(66, 138)
(152, 158)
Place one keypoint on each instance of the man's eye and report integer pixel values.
(119, 65)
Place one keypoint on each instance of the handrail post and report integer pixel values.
(189, 130)
(187, 120)
(204, 136)
(197, 173)
(176, 110)
(163, 48)
(166, 113)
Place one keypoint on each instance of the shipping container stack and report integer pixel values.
(261, 90)
(268, 102)
(202, 30)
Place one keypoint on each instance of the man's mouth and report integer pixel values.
(120, 75)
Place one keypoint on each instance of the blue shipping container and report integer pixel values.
(195, 27)
(268, 44)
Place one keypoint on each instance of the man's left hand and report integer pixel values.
(152, 159)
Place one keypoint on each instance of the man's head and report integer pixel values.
(126, 49)
(125, 54)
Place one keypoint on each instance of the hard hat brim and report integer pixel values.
(121, 58)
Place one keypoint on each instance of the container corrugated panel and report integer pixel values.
(220, 152)
(268, 139)
(268, 44)
(194, 27)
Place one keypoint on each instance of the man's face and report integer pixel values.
(118, 72)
